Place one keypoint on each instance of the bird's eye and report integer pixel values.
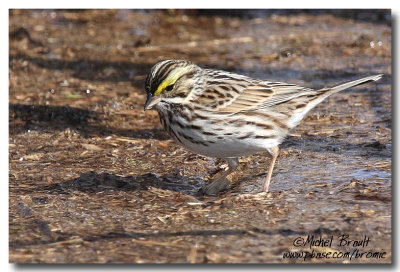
(169, 87)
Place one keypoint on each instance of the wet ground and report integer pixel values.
(94, 179)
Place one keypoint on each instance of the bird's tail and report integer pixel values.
(354, 83)
(324, 93)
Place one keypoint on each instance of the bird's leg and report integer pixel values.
(274, 151)
(220, 183)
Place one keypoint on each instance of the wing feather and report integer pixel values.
(231, 93)
(256, 97)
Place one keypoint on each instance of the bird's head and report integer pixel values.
(170, 81)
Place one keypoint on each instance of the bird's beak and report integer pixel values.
(151, 101)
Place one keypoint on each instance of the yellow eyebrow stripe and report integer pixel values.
(163, 85)
(172, 77)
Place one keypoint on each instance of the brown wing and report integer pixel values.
(235, 98)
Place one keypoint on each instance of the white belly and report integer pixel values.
(231, 149)
(204, 137)
(227, 146)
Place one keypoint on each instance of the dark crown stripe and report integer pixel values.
(162, 73)
(164, 69)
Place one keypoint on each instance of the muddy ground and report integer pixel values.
(94, 179)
